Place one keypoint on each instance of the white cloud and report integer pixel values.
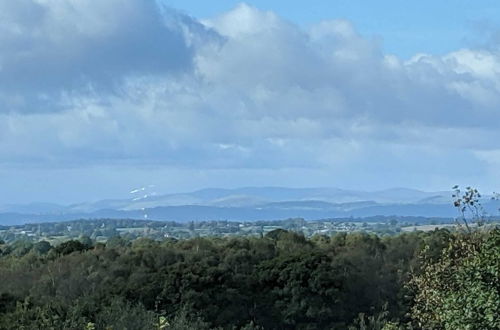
(128, 82)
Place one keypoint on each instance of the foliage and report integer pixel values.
(469, 206)
(282, 280)
(70, 247)
(461, 290)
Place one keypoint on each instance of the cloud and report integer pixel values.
(132, 82)
(49, 47)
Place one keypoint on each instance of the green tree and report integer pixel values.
(461, 290)
(42, 247)
(70, 247)
(125, 316)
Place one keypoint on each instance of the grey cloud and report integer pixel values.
(47, 47)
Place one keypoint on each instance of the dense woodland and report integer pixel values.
(283, 280)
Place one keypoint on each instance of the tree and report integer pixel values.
(86, 240)
(462, 289)
(123, 315)
(70, 247)
(469, 206)
(42, 247)
(21, 247)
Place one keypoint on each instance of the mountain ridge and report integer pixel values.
(223, 196)
(247, 203)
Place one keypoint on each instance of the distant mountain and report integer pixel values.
(237, 201)
(253, 196)
(437, 199)
(250, 203)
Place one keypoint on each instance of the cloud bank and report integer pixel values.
(135, 83)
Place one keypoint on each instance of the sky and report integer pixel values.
(97, 98)
(404, 27)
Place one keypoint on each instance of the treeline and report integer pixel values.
(280, 281)
(103, 229)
